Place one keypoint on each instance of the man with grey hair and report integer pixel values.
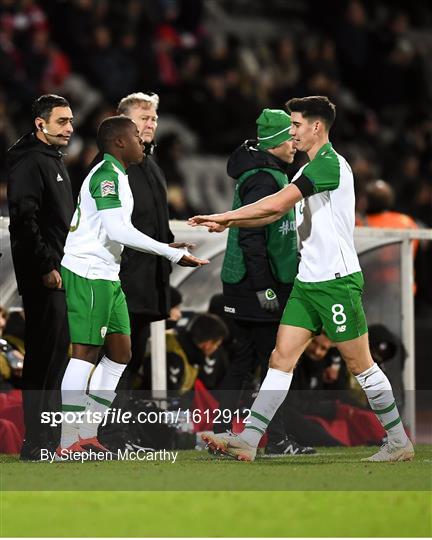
(145, 277)
(142, 109)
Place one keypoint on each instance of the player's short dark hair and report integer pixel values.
(110, 129)
(207, 326)
(314, 107)
(42, 106)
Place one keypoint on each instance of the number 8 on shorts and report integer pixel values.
(339, 316)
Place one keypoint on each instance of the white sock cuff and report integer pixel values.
(361, 377)
(76, 374)
(282, 375)
(113, 368)
(276, 380)
(369, 371)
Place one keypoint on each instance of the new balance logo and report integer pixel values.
(287, 226)
(59, 178)
(228, 309)
(341, 328)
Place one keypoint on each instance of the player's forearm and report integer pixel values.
(132, 238)
(125, 234)
(257, 222)
(264, 211)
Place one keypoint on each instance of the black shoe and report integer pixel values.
(287, 447)
(30, 452)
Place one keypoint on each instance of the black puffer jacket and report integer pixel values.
(259, 276)
(40, 208)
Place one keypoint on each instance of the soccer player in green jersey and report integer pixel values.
(327, 290)
(97, 309)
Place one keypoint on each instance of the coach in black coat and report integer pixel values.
(145, 277)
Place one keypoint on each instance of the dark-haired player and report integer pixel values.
(327, 290)
(97, 308)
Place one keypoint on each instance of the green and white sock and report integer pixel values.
(272, 393)
(379, 392)
(74, 397)
(101, 394)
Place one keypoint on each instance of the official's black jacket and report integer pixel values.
(242, 296)
(145, 277)
(40, 208)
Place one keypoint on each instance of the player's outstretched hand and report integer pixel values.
(213, 222)
(190, 260)
(179, 245)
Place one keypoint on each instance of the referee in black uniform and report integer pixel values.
(40, 209)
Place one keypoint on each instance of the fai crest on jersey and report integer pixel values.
(108, 188)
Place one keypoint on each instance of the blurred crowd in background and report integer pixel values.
(216, 64)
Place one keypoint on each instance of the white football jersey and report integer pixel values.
(326, 219)
(88, 250)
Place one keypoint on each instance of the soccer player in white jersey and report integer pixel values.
(97, 309)
(328, 288)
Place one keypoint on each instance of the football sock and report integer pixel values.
(272, 393)
(101, 394)
(379, 392)
(74, 397)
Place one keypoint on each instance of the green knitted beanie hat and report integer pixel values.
(273, 128)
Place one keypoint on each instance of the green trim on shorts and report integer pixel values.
(96, 307)
(334, 305)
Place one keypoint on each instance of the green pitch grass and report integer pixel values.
(330, 494)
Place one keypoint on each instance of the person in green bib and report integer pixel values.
(260, 265)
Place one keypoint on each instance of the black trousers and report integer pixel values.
(46, 356)
(255, 342)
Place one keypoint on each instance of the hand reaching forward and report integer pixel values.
(190, 260)
(179, 245)
(213, 222)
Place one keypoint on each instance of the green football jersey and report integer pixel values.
(88, 250)
(326, 219)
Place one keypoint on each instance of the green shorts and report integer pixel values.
(334, 305)
(96, 307)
